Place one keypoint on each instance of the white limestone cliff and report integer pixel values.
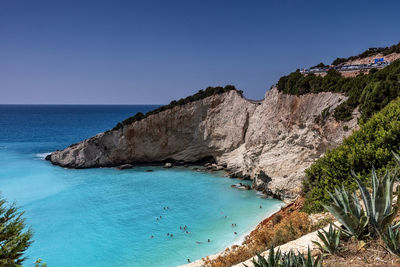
(271, 142)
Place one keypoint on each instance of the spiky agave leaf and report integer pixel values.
(348, 211)
(309, 261)
(274, 257)
(330, 240)
(396, 158)
(392, 239)
(272, 261)
(378, 204)
(290, 259)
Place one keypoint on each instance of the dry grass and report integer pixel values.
(370, 254)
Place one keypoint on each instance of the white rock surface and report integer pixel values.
(272, 141)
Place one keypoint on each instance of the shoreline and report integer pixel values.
(241, 239)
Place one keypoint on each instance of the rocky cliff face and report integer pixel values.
(271, 142)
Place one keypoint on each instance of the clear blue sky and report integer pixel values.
(144, 52)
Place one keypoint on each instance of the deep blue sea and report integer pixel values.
(106, 217)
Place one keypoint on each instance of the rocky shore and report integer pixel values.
(270, 142)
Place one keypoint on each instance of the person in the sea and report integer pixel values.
(208, 240)
(152, 237)
(188, 260)
(260, 207)
(235, 233)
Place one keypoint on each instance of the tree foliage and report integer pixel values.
(370, 146)
(371, 92)
(209, 91)
(14, 237)
(320, 65)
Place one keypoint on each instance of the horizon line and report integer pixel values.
(69, 104)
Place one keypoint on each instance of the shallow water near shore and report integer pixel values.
(106, 217)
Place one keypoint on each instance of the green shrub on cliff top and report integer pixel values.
(209, 91)
(370, 146)
(371, 92)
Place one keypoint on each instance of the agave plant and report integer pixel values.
(309, 261)
(273, 259)
(290, 259)
(330, 240)
(392, 239)
(348, 211)
(378, 204)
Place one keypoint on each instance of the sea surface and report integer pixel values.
(107, 217)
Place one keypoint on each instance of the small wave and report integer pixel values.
(43, 155)
(261, 195)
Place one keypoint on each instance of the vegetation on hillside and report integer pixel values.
(370, 52)
(209, 91)
(333, 179)
(370, 92)
(373, 219)
(370, 146)
(320, 65)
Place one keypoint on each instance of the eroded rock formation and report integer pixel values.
(271, 142)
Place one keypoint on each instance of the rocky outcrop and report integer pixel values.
(271, 141)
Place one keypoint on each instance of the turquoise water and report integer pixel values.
(106, 217)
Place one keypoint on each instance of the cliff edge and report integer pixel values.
(272, 141)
